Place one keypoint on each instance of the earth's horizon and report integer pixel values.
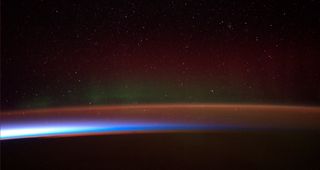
(155, 118)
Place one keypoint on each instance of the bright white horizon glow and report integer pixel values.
(35, 131)
(17, 131)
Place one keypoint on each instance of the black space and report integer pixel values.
(60, 53)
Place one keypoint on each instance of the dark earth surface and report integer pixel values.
(220, 150)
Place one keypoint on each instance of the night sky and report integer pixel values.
(68, 53)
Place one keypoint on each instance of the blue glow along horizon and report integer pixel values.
(19, 131)
(80, 121)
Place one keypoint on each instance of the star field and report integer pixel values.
(61, 53)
